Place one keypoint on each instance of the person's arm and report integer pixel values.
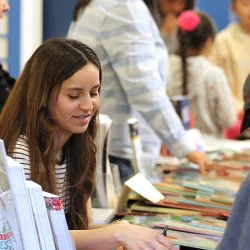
(129, 236)
(135, 59)
(130, 45)
(91, 224)
(120, 234)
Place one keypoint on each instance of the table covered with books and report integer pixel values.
(194, 208)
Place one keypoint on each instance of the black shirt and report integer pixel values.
(6, 84)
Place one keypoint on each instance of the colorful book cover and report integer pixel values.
(191, 240)
(10, 237)
(177, 237)
(17, 225)
(186, 227)
(217, 225)
(146, 221)
(162, 210)
(223, 199)
(62, 237)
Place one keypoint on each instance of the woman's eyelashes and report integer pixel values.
(73, 97)
(94, 94)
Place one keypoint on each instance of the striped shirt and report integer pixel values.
(21, 155)
(134, 62)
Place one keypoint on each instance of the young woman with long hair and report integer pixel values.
(49, 125)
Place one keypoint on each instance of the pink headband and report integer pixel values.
(189, 20)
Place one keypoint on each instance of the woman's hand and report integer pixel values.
(200, 159)
(133, 237)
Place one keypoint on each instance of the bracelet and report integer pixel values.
(118, 221)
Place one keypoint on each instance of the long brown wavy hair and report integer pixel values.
(26, 113)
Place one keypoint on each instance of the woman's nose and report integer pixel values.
(86, 103)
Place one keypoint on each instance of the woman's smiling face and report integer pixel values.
(73, 103)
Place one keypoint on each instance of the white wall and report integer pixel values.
(31, 28)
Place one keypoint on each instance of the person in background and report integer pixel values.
(49, 125)
(133, 57)
(4, 7)
(193, 75)
(153, 6)
(236, 236)
(6, 82)
(232, 50)
(170, 11)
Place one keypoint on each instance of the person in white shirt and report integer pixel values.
(192, 74)
(134, 61)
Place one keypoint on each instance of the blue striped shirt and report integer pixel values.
(134, 62)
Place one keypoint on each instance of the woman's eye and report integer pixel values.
(94, 94)
(73, 96)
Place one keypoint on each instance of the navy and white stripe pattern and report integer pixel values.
(21, 155)
(134, 61)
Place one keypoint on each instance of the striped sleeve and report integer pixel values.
(132, 52)
(20, 153)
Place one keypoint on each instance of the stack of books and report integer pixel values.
(41, 216)
(13, 173)
(62, 237)
(25, 220)
(190, 231)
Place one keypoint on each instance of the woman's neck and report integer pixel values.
(60, 140)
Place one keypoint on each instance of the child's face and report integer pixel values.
(3, 7)
(172, 6)
(242, 9)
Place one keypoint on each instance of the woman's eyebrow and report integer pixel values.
(96, 86)
(74, 88)
(77, 88)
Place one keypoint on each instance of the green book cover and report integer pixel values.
(162, 210)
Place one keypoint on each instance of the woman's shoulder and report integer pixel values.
(20, 151)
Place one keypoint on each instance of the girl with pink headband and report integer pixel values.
(191, 74)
